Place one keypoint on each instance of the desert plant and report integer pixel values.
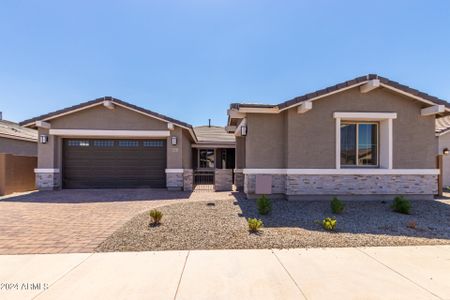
(329, 224)
(337, 206)
(264, 205)
(254, 224)
(156, 216)
(401, 205)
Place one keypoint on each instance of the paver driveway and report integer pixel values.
(77, 220)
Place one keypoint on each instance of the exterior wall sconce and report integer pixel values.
(244, 130)
(174, 140)
(445, 151)
(43, 138)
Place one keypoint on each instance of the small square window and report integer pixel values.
(78, 143)
(128, 144)
(103, 143)
(153, 144)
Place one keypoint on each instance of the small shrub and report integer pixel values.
(412, 224)
(254, 224)
(337, 206)
(264, 205)
(401, 205)
(156, 216)
(329, 224)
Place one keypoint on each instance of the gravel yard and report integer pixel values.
(291, 224)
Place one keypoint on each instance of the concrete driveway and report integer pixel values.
(340, 273)
(76, 220)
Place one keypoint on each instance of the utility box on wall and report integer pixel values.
(263, 184)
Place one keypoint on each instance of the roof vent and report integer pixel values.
(1, 116)
(209, 122)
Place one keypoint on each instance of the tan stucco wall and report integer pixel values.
(187, 150)
(240, 152)
(264, 144)
(100, 117)
(18, 147)
(309, 140)
(444, 142)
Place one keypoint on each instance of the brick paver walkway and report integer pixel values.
(77, 220)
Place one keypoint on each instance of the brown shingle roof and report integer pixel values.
(99, 100)
(213, 135)
(343, 85)
(15, 131)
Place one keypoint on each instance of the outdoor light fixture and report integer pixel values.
(445, 151)
(43, 139)
(174, 140)
(244, 130)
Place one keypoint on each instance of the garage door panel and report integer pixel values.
(114, 164)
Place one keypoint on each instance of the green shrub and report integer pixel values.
(401, 205)
(156, 216)
(329, 224)
(254, 224)
(264, 205)
(337, 206)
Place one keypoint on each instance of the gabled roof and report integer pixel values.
(213, 135)
(99, 101)
(15, 131)
(346, 85)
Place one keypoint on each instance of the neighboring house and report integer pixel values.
(109, 143)
(369, 137)
(442, 132)
(18, 151)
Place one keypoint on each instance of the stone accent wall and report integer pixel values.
(348, 184)
(278, 184)
(48, 181)
(174, 181)
(239, 181)
(188, 179)
(223, 179)
(361, 184)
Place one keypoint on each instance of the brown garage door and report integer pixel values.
(89, 163)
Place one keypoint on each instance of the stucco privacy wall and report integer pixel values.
(100, 117)
(308, 140)
(18, 147)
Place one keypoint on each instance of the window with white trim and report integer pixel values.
(359, 144)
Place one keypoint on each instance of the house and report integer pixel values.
(109, 143)
(18, 152)
(369, 137)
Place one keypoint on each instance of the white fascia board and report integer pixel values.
(43, 170)
(369, 86)
(203, 146)
(349, 171)
(304, 107)
(259, 110)
(110, 133)
(432, 110)
(367, 116)
(42, 124)
(13, 137)
(65, 113)
(235, 114)
(177, 171)
(109, 104)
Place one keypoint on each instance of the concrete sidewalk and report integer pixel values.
(339, 273)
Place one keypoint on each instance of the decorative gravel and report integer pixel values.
(291, 224)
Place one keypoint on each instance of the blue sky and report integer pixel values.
(190, 59)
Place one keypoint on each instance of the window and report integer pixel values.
(153, 144)
(206, 159)
(103, 143)
(128, 144)
(77, 143)
(359, 144)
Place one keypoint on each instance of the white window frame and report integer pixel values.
(385, 140)
(357, 165)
